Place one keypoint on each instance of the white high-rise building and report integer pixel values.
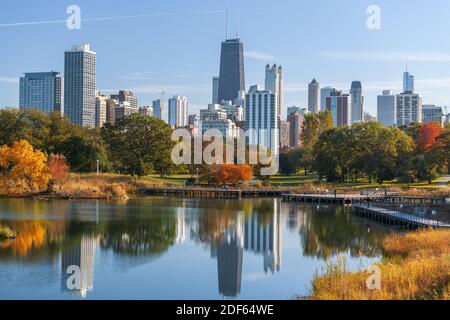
(178, 111)
(387, 109)
(274, 83)
(261, 118)
(314, 97)
(409, 108)
(357, 102)
(324, 93)
(80, 85)
(215, 117)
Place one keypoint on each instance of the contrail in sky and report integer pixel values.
(31, 23)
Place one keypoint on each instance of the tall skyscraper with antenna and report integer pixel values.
(231, 76)
(408, 80)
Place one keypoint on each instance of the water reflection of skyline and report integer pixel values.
(139, 232)
(82, 256)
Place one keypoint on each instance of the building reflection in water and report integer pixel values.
(180, 231)
(264, 238)
(257, 233)
(229, 252)
(81, 256)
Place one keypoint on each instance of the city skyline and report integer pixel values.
(378, 67)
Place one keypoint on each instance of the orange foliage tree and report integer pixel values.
(59, 169)
(23, 169)
(231, 173)
(428, 133)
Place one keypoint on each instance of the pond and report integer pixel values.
(173, 248)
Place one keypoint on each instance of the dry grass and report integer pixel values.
(93, 186)
(416, 192)
(417, 266)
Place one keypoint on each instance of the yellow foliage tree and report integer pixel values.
(23, 169)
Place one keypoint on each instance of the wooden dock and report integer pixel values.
(338, 199)
(416, 200)
(351, 199)
(213, 193)
(398, 219)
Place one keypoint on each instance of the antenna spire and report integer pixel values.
(226, 25)
(238, 24)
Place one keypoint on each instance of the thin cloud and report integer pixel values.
(43, 22)
(9, 80)
(169, 89)
(422, 56)
(150, 75)
(258, 55)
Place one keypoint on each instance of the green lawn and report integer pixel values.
(363, 183)
(300, 179)
(293, 180)
(176, 180)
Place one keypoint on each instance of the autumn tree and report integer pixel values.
(231, 173)
(59, 170)
(23, 169)
(427, 136)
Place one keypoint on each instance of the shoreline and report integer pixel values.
(216, 193)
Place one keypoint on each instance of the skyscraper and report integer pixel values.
(157, 108)
(324, 93)
(433, 114)
(215, 117)
(231, 78)
(178, 111)
(126, 96)
(111, 110)
(292, 109)
(80, 85)
(215, 90)
(41, 91)
(408, 81)
(274, 83)
(340, 106)
(124, 109)
(261, 118)
(357, 102)
(100, 109)
(409, 108)
(387, 109)
(313, 96)
(285, 131)
(295, 120)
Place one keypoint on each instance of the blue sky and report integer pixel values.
(175, 45)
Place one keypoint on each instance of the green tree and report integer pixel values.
(82, 150)
(313, 126)
(139, 144)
